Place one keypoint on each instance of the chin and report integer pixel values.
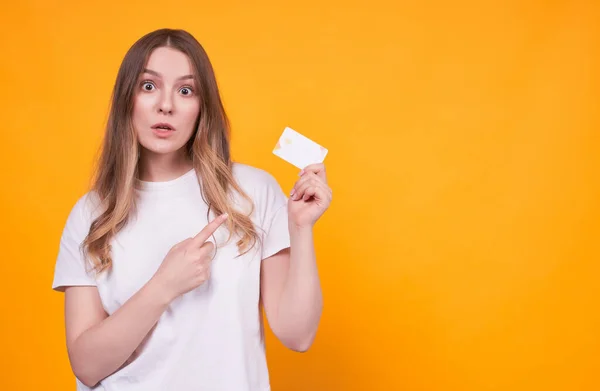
(161, 147)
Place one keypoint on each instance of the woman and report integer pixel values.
(166, 262)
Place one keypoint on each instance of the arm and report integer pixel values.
(99, 344)
(290, 286)
(291, 292)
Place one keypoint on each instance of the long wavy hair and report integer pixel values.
(116, 170)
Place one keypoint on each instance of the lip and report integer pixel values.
(162, 133)
(163, 124)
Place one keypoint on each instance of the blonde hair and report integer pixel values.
(208, 149)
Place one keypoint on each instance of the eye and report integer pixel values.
(186, 90)
(147, 85)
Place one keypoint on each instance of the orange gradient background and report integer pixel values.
(461, 250)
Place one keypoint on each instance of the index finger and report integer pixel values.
(207, 231)
(316, 168)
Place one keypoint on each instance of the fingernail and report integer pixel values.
(292, 192)
(226, 215)
(301, 173)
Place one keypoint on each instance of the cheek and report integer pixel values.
(142, 106)
(189, 112)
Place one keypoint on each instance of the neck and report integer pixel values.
(155, 167)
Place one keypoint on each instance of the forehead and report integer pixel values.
(169, 62)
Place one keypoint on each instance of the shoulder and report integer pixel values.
(254, 179)
(251, 174)
(85, 210)
(260, 185)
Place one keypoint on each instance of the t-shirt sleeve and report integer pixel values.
(274, 218)
(70, 268)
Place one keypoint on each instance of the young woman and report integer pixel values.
(167, 260)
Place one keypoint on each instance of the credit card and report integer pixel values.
(299, 150)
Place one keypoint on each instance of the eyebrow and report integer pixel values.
(150, 71)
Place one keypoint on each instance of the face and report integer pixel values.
(165, 94)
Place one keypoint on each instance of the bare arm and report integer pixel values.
(290, 286)
(291, 292)
(99, 344)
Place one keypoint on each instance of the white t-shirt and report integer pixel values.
(210, 339)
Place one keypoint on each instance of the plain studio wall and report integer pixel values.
(461, 249)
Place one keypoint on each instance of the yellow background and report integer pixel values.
(461, 250)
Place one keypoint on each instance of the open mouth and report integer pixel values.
(163, 127)
(163, 130)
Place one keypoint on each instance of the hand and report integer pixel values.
(310, 196)
(187, 264)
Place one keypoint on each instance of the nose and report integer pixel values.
(165, 105)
